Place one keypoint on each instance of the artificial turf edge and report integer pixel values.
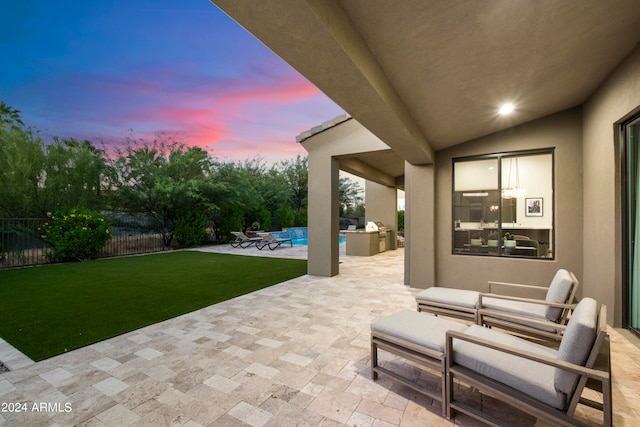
(52, 309)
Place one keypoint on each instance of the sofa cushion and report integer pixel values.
(558, 292)
(577, 342)
(460, 297)
(417, 328)
(536, 311)
(526, 310)
(532, 378)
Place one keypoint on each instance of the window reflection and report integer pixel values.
(503, 205)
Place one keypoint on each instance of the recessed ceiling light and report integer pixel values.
(506, 109)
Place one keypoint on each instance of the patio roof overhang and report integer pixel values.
(427, 75)
(371, 159)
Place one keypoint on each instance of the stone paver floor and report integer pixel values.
(294, 354)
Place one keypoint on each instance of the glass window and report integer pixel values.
(503, 204)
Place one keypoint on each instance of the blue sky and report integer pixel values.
(108, 70)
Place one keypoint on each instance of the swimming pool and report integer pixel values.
(305, 241)
(299, 236)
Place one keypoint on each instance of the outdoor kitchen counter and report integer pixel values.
(367, 243)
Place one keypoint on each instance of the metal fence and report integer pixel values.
(134, 234)
(21, 243)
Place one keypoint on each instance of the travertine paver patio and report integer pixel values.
(294, 354)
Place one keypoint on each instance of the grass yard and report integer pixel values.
(48, 310)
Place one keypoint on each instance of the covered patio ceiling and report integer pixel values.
(424, 75)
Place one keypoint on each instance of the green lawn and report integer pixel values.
(45, 311)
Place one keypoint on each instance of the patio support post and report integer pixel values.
(419, 226)
(331, 148)
(323, 255)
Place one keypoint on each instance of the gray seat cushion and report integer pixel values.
(577, 342)
(532, 378)
(526, 310)
(417, 328)
(535, 311)
(558, 292)
(452, 296)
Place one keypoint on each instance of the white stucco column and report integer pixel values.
(323, 256)
(382, 205)
(419, 226)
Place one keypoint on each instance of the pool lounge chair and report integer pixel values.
(243, 241)
(271, 242)
(532, 377)
(541, 318)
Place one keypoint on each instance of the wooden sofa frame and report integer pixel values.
(420, 355)
(450, 310)
(418, 338)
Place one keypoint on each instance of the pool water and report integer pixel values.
(305, 241)
(299, 235)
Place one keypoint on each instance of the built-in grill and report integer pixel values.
(382, 233)
(381, 227)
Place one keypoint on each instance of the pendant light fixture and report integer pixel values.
(516, 191)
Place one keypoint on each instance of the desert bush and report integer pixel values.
(286, 217)
(75, 234)
(301, 217)
(191, 228)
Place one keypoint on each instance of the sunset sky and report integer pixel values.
(107, 70)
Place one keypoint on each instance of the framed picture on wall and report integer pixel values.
(533, 206)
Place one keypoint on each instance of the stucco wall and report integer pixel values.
(419, 220)
(617, 99)
(562, 131)
(347, 137)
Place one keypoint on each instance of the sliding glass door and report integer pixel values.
(631, 132)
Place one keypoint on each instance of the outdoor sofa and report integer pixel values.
(532, 377)
(540, 380)
(541, 318)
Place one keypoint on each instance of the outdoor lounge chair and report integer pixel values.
(243, 241)
(534, 378)
(419, 338)
(423, 340)
(545, 319)
(541, 318)
(272, 242)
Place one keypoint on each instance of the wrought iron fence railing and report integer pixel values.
(21, 243)
(134, 234)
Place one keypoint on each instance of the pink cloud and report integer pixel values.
(256, 112)
(239, 117)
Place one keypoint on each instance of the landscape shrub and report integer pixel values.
(286, 217)
(191, 228)
(75, 234)
(228, 220)
(301, 217)
(262, 219)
